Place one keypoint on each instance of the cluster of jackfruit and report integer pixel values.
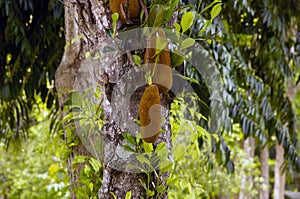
(158, 64)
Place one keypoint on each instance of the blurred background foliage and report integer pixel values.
(37, 167)
(32, 43)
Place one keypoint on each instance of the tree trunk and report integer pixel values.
(249, 147)
(65, 77)
(264, 168)
(86, 23)
(279, 184)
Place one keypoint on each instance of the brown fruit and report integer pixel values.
(163, 72)
(150, 117)
(127, 9)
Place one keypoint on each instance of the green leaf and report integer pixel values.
(128, 148)
(137, 60)
(91, 186)
(177, 58)
(187, 43)
(68, 102)
(165, 166)
(156, 15)
(114, 195)
(215, 11)
(95, 164)
(169, 9)
(160, 188)
(148, 147)
(142, 159)
(209, 6)
(177, 27)
(129, 138)
(161, 43)
(162, 152)
(76, 97)
(87, 169)
(150, 193)
(79, 159)
(138, 138)
(179, 152)
(128, 195)
(115, 16)
(186, 21)
(160, 146)
(143, 183)
(174, 3)
(171, 180)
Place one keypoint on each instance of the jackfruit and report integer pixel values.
(127, 9)
(150, 115)
(162, 74)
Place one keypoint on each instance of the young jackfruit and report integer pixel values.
(162, 74)
(150, 115)
(127, 9)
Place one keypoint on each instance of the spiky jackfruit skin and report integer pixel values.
(163, 72)
(130, 10)
(150, 115)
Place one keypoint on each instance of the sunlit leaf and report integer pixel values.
(186, 21)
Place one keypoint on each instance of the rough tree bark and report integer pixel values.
(86, 22)
(65, 77)
(264, 169)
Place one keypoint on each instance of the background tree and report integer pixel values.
(261, 28)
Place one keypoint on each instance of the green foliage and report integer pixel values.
(151, 161)
(90, 177)
(83, 118)
(196, 172)
(36, 168)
